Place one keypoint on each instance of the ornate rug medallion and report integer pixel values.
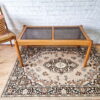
(60, 65)
(55, 71)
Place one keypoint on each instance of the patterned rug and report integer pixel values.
(55, 71)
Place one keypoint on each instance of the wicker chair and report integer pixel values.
(5, 33)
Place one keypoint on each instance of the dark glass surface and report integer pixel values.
(37, 33)
(69, 33)
(61, 33)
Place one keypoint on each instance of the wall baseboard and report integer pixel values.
(6, 44)
(98, 44)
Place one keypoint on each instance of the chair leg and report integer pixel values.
(11, 43)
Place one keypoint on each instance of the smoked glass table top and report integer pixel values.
(60, 33)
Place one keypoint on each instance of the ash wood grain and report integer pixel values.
(18, 54)
(54, 42)
(87, 54)
(84, 33)
(23, 30)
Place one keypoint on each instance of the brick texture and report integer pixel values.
(53, 12)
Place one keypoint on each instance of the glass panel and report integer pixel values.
(68, 33)
(37, 33)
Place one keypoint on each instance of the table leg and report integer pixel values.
(87, 55)
(18, 53)
(11, 43)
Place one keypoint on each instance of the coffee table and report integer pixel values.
(53, 36)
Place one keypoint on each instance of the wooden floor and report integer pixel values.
(7, 60)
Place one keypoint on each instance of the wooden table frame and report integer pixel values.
(87, 42)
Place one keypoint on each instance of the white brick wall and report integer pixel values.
(54, 12)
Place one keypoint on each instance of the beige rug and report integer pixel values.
(55, 71)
